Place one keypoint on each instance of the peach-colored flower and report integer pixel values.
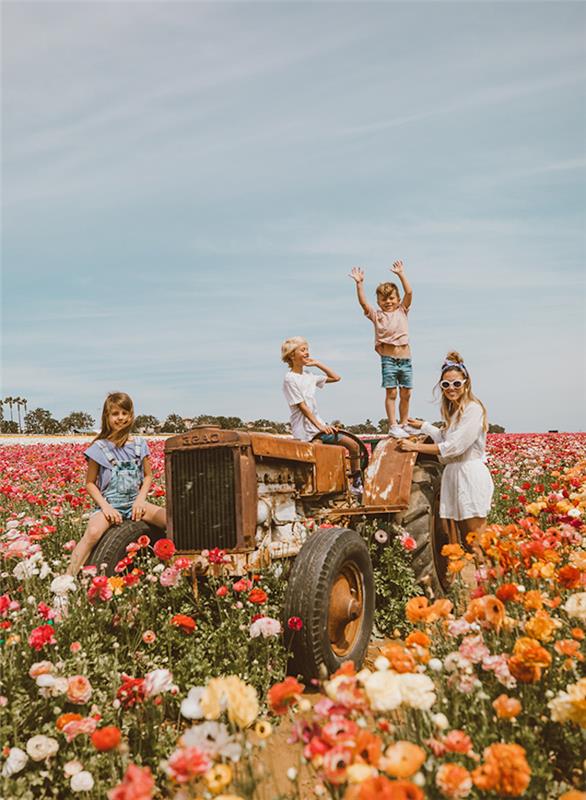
(541, 626)
(453, 781)
(403, 759)
(505, 770)
(79, 689)
(506, 707)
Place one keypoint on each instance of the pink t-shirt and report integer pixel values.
(390, 327)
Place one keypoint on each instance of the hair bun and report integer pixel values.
(453, 355)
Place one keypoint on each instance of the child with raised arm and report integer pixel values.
(118, 478)
(391, 342)
(299, 388)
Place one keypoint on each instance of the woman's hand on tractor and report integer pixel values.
(407, 446)
(114, 517)
(415, 423)
(327, 429)
(138, 510)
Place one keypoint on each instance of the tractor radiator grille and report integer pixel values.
(203, 498)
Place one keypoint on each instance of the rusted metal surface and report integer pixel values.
(346, 609)
(387, 481)
(205, 436)
(270, 446)
(330, 468)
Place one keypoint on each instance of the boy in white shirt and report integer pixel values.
(299, 388)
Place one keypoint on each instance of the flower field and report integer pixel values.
(142, 691)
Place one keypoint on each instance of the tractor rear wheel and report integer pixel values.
(112, 546)
(331, 589)
(422, 520)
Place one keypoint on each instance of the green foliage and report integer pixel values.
(146, 423)
(173, 424)
(39, 420)
(77, 421)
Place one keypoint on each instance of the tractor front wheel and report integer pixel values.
(112, 546)
(331, 589)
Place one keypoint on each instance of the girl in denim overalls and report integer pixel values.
(118, 479)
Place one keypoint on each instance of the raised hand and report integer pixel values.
(398, 268)
(357, 274)
(311, 362)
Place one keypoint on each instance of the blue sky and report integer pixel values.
(186, 184)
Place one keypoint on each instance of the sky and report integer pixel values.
(184, 185)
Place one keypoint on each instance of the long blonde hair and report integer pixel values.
(453, 411)
(124, 401)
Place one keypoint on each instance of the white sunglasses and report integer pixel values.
(457, 384)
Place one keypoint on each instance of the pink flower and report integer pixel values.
(187, 763)
(170, 577)
(79, 689)
(474, 649)
(243, 585)
(46, 611)
(70, 545)
(137, 784)
(78, 727)
(222, 591)
(408, 541)
(100, 589)
(41, 636)
(75, 647)
(182, 563)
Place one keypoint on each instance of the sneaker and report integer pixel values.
(356, 487)
(397, 432)
(411, 431)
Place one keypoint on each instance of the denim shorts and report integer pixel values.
(326, 438)
(396, 372)
(124, 509)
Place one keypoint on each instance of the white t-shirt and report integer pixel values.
(300, 388)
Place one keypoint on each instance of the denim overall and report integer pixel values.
(125, 481)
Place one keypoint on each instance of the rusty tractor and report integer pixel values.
(262, 497)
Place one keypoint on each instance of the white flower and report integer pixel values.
(383, 691)
(25, 569)
(214, 739)
(440, 721)
(157, 682)
(63, 584)
(72, 768)
(574, 512)
(190, 707)
(575, 606)
(382, 663)
(292, 773)
(435, 664)
(265, 626)
(82, 782)
(417, 691)
(41, 747)
(16, 760)
(13, 523)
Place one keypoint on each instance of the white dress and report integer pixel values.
(467, 486)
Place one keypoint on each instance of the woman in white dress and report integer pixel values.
(466, 490)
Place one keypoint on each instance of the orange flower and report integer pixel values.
(64, 719)
(368, 747)
(418, 638)
(569, 577)
(453, 780)
(506, 592)
(506, 707)
(400, 658)
(505, 770)
(573, 794)
(417, 609)
(577, 633)
(452, 551)
(381, 788)
(282, 695)
(403, 759)
(455, 566)
(487, 609)
(457, 742)
(533, 600)
(440, 609)
(528, 659)
(541, 626)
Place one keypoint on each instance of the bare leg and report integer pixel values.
(471, 525)
(97, 527)
(155, 515)
(450, 530)
(404, 398)
(353, 449)
(391, 396)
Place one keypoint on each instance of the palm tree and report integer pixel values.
(24, 401)
(17, 402)
(9, 402)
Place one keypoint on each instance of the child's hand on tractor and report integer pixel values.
(138, 510)
(357, 274)
(398, 268)
(114, 517)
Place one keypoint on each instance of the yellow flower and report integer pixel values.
(571, 704)
(357, 773)
(541, 626)
(218, 778)
(116, 584)
(578, 559)
(263, 729)
(535, 509)
(232, 694)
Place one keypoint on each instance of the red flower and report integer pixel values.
(243, 585)
(132, 578)
(222, 591)
(258, 596)
(282, 695)
(569, 576)
(41, 636)
(217, 556)
(187, 624)
(106, 738)
(164, 549)
(506, 592)
(131, 692)
(45, 611)
(142, 541)
(295, 623)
